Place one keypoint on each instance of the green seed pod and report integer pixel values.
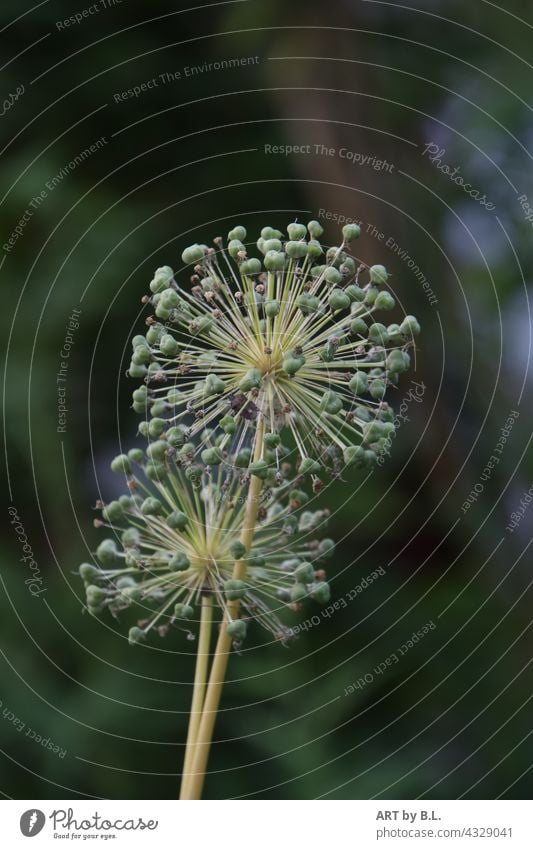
(234, 589)
(326, 549)
(315, 229)
(204, 324)
(291, 364)
(370, 296)
(155, 471)
(113, 512)
(350, 232)
(212, 456)
(162, 312)
(130, 537)
(355, 294)
(358, 327)
(237, 232)
(251, 380)
(193, 254)
(121, 463)
(177, 520)
(135, 636)
(136, 370)
(333, 276)
(157, 450)
(158, 408)
(154, 333)
(298, 497)
(338, 300)
(378, 333)
(179, 562)
(384, 301)
(359, 383)
(271, 233)
(296, 231)
(141, 355)
(251, 266)
(304, 573)
(298, 592)
(354, 455)
(136, 455)
(274, 261)
(156, 427)
(235, 247)
(410, 326)
(398, 361)
(237, 549)
(307, 303)
(174, 396)
(214, 385)
(228, 424)
(95, 595)
(236, 630)
(296, 250)
(271, 308)
(271, 245)
(183, 611)
(378, 274)
(272, 440)
(151, 507)
(314, 249)
(259, 468)
(331, 402)
(162, 278)
(107, 552)
(347, 269)
(88, 572)
(140, 394)
(168, 345)
(308, 466)
(395, 335)
(175, 437)
(321, 592)
(377, 389)
(242, 459)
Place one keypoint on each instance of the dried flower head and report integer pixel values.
(289, 338)
(179, 540)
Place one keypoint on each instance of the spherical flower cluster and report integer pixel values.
(176, 538)
(288, 337)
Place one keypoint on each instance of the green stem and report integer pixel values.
(194, 786)
(200, 679)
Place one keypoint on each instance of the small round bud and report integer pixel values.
(271, 245)
(331, 402)
(121, 463)
(175, 437)
(370, 296)
(296, 231)
(296, 250)
(237, 549)
(410, 326)
(359, 383)
(332, 276)
(308, 466)
(154, 333)
(235, 247)
(136, 455)
(338, 300)
(270, 233)
(212, 456)
(347, 269)
(251, 266)
(151, 507)
(354, 455)
(177, 520)
(272, 440)
(291, 364)
(274, 261)
(135, 636)
(155, 471)
(155, 427)
(107, 552)
(168, 346)
(314, 249)
(234, 589)
(193, 254)
(271, 308)
(251, 380)
(113, 512)
(238, 232)
(214, 385)
(259, 468)
(358, 327)
(378, 274)
(88, 572)
(183, 611)
(350, 232)
(169, 299)
(157, 450)
(162, 278)
(179, 562)
(315, 229)
(242, 459)
(237, 630)
(304, 573)
(355, 294)
(307, 303)
(321, 592)
(378, 333)
(326, 548)
(384, 301)
(228, 424)
(137, 371)
(377, 389)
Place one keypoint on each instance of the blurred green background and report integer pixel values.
(184, 161)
